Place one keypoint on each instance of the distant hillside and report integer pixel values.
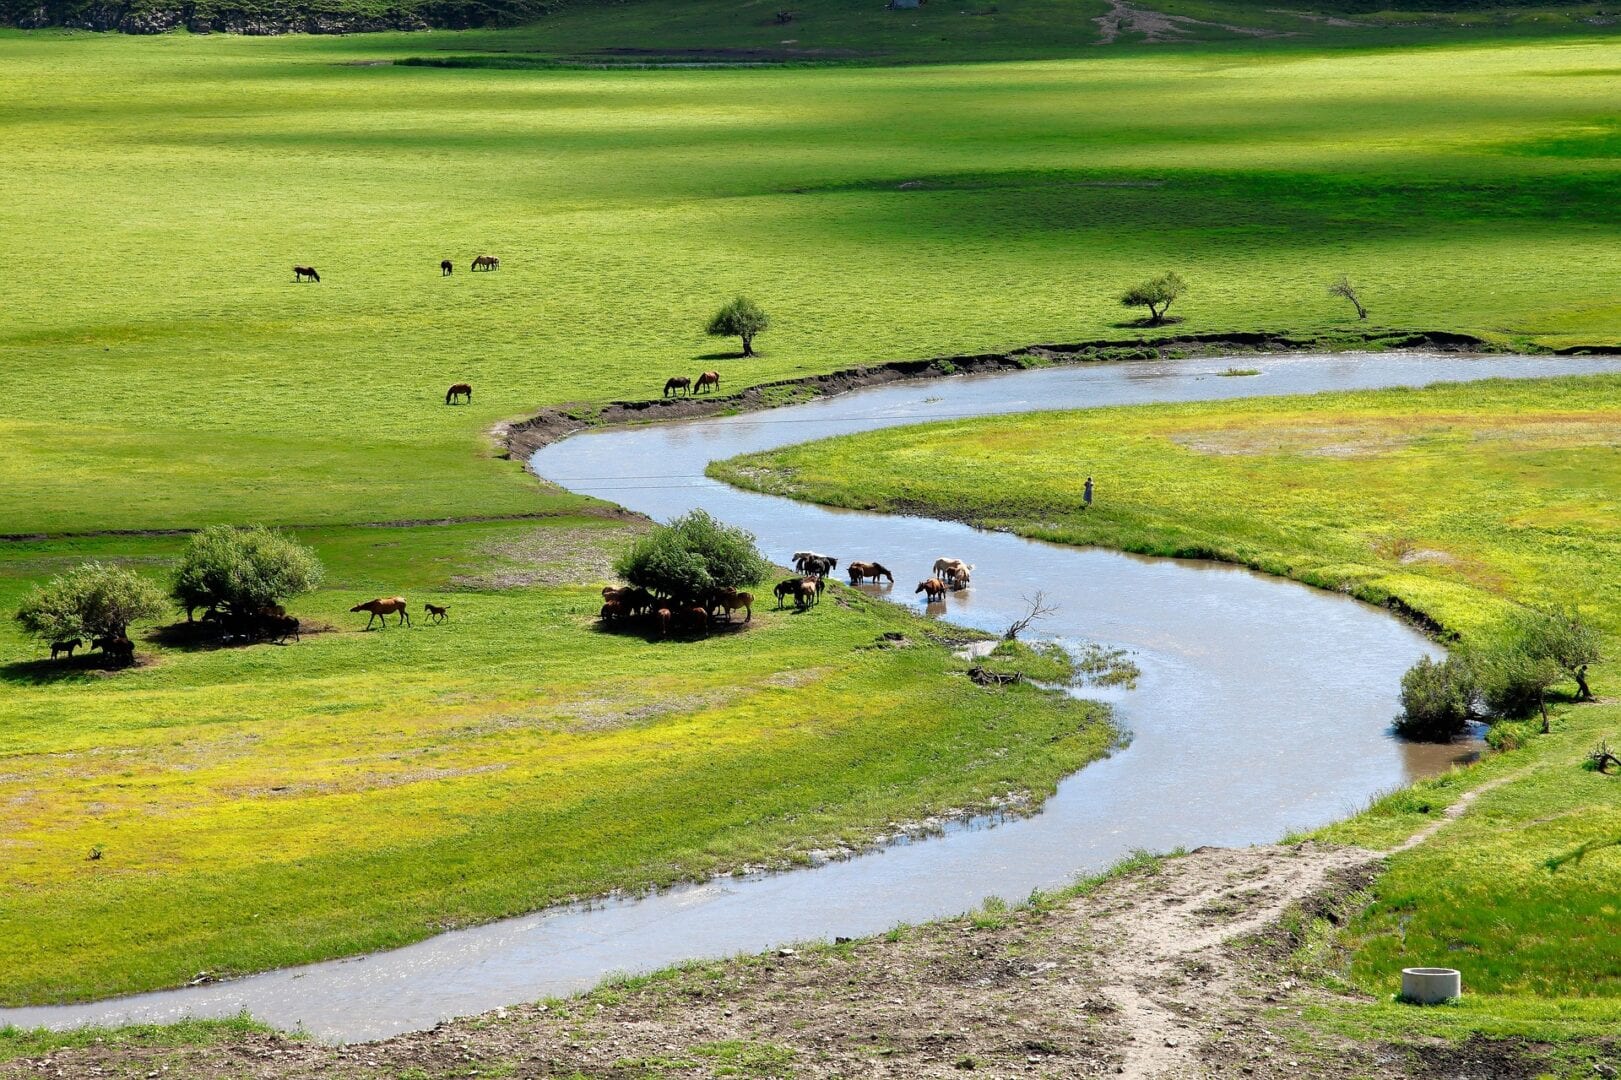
(268, 16)
(776, 31)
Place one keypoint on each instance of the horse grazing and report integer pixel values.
(120, 650)
(460, 389)
(731, 600)
(302, 272)
(383, 607)
(809, 591)
(676, 384)
(945, 569)
(869, 571)
(709, 379)
(786, 588)
(486, 262)
(696, 616)
(818, 566)
(59, 647)
(934, 588)
(446, 268)
(436, 613)
(613, 611)
(279, 628)
(958, 579)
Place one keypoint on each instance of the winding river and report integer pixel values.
(1263, 707)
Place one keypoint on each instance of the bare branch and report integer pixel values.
(1038, 608)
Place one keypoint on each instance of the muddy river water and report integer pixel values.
(1263, 707)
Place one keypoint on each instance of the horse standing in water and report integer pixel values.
(461, 389)
(302, 272)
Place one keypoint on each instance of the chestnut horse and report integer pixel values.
(731, 600)
(676, 384)
(486, 262)
(461, 389)
(709, 379)
(446, 268)
(934, 588)
(383, 607)
(302, 272)
(869, 571)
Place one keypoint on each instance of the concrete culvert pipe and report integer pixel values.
(1430, 985)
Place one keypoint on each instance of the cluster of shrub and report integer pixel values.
(1506, 679)
(691, 559)
(238, 576)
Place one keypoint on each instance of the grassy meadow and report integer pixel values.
(1459, 501)
(260, 806)
(164, 371)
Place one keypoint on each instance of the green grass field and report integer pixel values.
(261, 806)
(164, 371)
(1459, 501)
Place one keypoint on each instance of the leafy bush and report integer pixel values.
(89, 601)
(241, 571)
(1156, 294)
(1437, 699)
(692, 556)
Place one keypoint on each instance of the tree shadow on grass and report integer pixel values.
(725, 355)
(207, 637)
(45, 671)
(1147, 323)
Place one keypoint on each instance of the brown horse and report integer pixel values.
(486, 262)
(934, 588)
(120, 650)
(446, 268)
(59, 647)
(460, 389)
(869, 571)
(279, 628)
(696, 616)
(436, 613)
(731, 600)
(302, 272)
(383, 607)
(676, 384)
(613, 611)
(709, 379)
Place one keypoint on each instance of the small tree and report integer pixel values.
(691, 557)
(1516, 675)
(1564, 637)
(1344, 288)
(240, 572)
(89, 601)
(742, 318)
(1437, 699)
(1155, 294)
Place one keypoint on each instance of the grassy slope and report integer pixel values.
(1458, 500)
(162, 369)
(264, 806)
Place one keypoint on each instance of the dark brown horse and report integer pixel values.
(486, 262)
(59, 647)
(869, 571)
(120, 650)
(302, 272)
(446, 268)
(461, 389)
(708, 380)
(676, 384)
(436, 613)
(383, 607)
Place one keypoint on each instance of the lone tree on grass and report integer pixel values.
(691, 557)
(1344, 288)
(742, 318)
(88, 602)
(240, 573)
(1564, 638)
(1155, 294)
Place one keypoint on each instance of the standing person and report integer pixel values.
(1086, 495)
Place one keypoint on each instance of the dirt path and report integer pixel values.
(1157, 27)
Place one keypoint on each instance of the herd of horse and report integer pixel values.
(446, 268)
(626, 605)
(709, 380)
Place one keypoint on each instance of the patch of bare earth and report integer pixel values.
(1158, 27)
(1176, 971)
(552, 556)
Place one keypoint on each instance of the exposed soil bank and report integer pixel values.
(524, 437)
(266, 17)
